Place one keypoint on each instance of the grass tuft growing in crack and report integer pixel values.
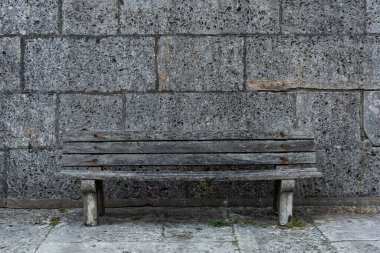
(54, 221)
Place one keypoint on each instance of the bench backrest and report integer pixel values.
(124, 148)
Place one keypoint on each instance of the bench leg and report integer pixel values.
(285, 199)
(100, 196)
(90, 201)
(276, 189)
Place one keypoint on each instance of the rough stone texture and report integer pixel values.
(2, 178)
(207, 63)
(256, 239)
(9, 64)
(28, 17)
(193, 111)
(357, 246)
(27, 120)
(372, 116)
(348, 227)
(76, 64)
(185, 65)
(169, 230)
(334, 118)
(324, 17)
(23, 230)
(90, 17)
(31, 175)
(285, 62)
(373, 16)
(199, 17)
(90, 112)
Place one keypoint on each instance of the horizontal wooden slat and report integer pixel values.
(175, 147)
(194, 176)
(187, 159)
(96, 136)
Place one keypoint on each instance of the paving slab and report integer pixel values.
(163, 229)
(358, 246)
(23, 230)
(275, 239)
(138, 247)
(349, 227)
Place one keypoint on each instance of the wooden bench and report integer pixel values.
(95, 150)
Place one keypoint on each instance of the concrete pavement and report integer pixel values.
(148, 229)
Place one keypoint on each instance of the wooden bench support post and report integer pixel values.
(100, 196)
(90, 201)
(285, 199)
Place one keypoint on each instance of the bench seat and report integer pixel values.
(194, 176)
(85, 154)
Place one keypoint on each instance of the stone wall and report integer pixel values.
(186, 65)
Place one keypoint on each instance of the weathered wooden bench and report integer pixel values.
(95, 150)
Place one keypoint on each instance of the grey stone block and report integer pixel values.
(372, 116)
(3, 178)
(90, 112)
(90, 17)
(323, 17)
(206, 63)
(333, 117)
(31, 175)
(85, 64)
(27, 120)
(200, 17)
(286, 62)
(28, 17)
(335, 120)
(9, 64)
(261, 112)
(373, 16)
(342, 175)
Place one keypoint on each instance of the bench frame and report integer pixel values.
(94, 204)
(283, 175)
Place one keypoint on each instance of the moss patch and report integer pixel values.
(54, 221)
(296, 223)
(62, 210)
(220, 223)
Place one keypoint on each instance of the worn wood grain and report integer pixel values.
(285, 199)
(176, 147)
(194, 176)
(101, 136)
(84, 160)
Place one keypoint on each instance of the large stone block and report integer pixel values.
(90, 112)
(368, 173)
(9, 64)
(373, 16)
(323, 17)
(206, 63)
(372, 116)
(90, 17)
(261, 112)
(334, 117)
(28, 17)
(27, 120)
(3, 178)
(286, 62)
(105, 65)
(31, 175)
(200, 17)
